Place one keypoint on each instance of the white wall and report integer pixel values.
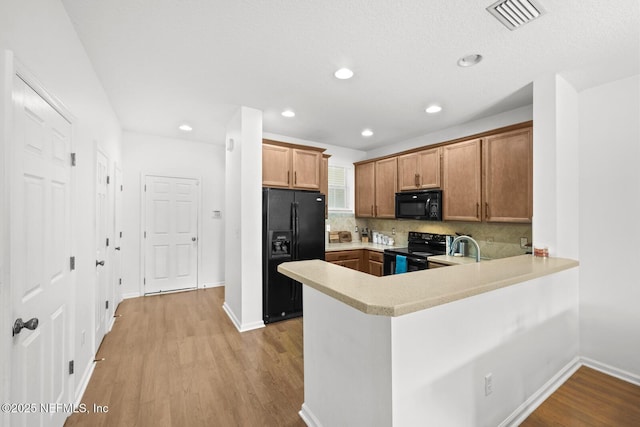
(519, 115)
(243, 231)
(42, 38)
(148, 154)
(609, 238)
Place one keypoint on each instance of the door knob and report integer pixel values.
(30, 324)
(99, 263)
(193, 239)
(117, 248)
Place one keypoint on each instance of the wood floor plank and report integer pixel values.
(177, 360)
(589, 398)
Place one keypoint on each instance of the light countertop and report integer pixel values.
(454, 260)
(348, 246)
(400, 294)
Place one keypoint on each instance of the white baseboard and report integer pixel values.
(111, 323)
(131, 295)
(210, 285)
(531, 404)
(84, 382)
(239, 326)
(307, 416)
(612, 371)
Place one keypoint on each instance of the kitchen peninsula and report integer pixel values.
(420, 348)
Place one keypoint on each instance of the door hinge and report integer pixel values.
(121, 234)
(72, 263)
(121, 188)
(107, 179)
(119, 281)
(145, 187)
(145, 234)
(107, 242)
(73, 159)
(106, 305)
(144, 281)
(71, 367)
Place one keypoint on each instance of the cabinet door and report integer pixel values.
(507, 177)
(276, 164)
(375, 268)
(306, 169)
(461, 188)
(408, 175)
(353, 264)
(429, 168)
(365, 189)
(386, 187)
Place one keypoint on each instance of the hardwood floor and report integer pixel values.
(177, 360)
(589, 398)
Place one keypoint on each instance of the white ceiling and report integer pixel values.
(163, 62)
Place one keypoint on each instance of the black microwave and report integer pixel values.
(424, 205)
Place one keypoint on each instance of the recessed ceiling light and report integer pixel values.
(367, 133)
(431, 109)
(469, 60)
(288, 113)
(185, 127)
(343, 74)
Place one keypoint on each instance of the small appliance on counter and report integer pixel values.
(423, 205)
(420, 247)
(292, 229)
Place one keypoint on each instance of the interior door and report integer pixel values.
(102, 168)
(117, 240)
(171, 234)
(40, 247)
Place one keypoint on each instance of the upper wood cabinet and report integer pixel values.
(507, 176)
(421, 170)
(276, 166)
(461, 181)
(289, 166)
(376, 186)
(365, 175)
(386, 187)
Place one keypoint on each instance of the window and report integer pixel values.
(338, 189)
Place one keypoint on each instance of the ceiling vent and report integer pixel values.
(515, 13)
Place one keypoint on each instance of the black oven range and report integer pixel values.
(420, 247)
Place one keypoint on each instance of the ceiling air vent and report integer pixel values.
(515, 13)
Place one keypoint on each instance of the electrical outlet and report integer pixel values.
(393, 231)
(488, 384)
(82, 338)
(356, 228)
(523, 242)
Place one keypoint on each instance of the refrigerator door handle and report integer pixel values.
(297, 231)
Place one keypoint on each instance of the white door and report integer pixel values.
(102, 167)
(117, 241)
(171, 230)
(40, 242)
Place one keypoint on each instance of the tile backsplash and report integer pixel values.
(496, 240)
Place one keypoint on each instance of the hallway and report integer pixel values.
(177, 360)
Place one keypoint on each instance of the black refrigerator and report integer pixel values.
(292, 230)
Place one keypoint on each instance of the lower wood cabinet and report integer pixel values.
(358, 259)
(375, 259)
(350, 259)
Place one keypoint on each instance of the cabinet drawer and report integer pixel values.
(376, 256)
(342, 255)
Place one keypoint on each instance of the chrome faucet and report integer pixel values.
(469, 239)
